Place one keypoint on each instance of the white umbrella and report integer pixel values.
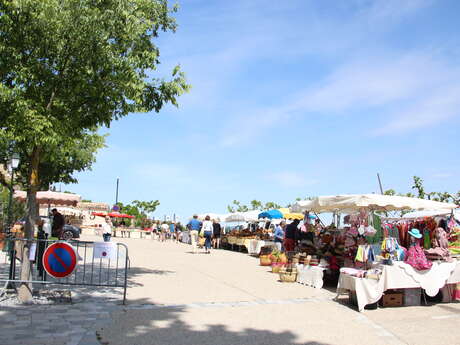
(354, 202)
(249, 216)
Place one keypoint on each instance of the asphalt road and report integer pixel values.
(179, 298)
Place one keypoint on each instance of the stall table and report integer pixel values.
(400, 276)
(310, 275)
(254, 246)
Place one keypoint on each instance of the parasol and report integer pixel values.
(51, 198)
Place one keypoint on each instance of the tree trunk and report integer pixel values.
(25, 289)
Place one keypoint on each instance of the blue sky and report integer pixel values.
(291, 99)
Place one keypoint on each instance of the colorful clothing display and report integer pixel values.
(416, 258)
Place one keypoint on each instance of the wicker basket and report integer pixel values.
(288, 276)
(265, 260)
(277, 266)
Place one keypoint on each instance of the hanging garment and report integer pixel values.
(371, 254)
(426, 239)
(360, 254)
(416, 258)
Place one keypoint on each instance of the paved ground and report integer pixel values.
(223, 298)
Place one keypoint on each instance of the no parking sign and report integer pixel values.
(60, 260)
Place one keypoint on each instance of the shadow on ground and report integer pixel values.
(163, 325)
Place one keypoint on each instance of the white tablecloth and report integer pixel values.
(255, 246)
(310, 275)
(400, 276)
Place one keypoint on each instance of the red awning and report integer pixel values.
(112, 214)
(120, 215)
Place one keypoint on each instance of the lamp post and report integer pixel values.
(14, 163)
(116, 194)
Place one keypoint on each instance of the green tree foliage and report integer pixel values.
(436, 196)
(256, 205)
(140, 211)
(69, 66)
(18, 210)
(271, 205)
(59, 163)
(236, 206)
(418, 186)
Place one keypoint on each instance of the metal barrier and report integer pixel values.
(90, 271)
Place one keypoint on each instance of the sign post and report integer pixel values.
(59, 260)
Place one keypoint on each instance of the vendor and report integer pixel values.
(318, 226)
(279, 235)
(290, 236)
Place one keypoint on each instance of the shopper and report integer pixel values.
(290, 236)
(207, 229)
(172, 231)
(279, 235)
(163, 231)
(179, 229)
(194, 226)
(216, 232)
(107, 229)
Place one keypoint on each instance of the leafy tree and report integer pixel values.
(390, 192)
(271, 205)
(68, 66)
(418, 186)
(256, 205)
(146, 207)
(17, 208)
(236, 207)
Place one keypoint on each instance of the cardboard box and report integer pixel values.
(392, 299)
(412, 297)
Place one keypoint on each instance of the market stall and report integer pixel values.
(375, 256)
(399, 276)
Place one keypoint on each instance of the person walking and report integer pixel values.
(207, 229)
(194, 225)
(216, 232)
(107, 229)
(279, 235)
(178, 231)
(163, 230)
(172, 231)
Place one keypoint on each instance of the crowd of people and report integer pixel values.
(210, 230)
(287, 236)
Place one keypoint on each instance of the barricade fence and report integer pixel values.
(91, 271)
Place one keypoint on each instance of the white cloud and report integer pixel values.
(412, 90)
(427, 110)
(443, 175)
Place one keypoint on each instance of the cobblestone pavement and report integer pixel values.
(55, 324)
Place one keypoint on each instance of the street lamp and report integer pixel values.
(13, 164)
(116, 194)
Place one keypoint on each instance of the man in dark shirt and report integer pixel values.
(216, 231)
(58, 223)
(290, 236)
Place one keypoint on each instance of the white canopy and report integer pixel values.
(51, 198)
(354, 202)
(432, 213)
(301, 206)
(61, 209)
(249, 216)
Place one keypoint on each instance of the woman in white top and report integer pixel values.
(107, 229)
(207, 231)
